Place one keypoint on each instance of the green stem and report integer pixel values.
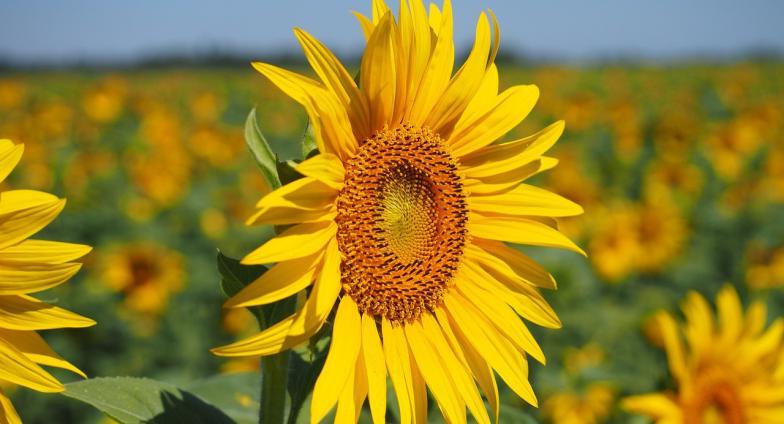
(274, 381)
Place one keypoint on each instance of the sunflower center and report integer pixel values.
(717, 401)
(401, 223)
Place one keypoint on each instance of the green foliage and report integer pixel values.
(132, 400)
(262, 153)
(237, 395)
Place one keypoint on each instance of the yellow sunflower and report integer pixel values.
(401, 221)
(731, 371)
(145, 273)
(591, 406)
(30, 266)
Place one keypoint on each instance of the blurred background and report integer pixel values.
(134, 112)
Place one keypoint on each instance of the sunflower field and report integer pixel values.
(679, 169)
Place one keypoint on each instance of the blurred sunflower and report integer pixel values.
(729, 372)
(146, 274)
(104, 103)
(592, 406)
(584, 400)
(614, 248)
(764, 267)
(642, 237)
(401, 221)
(30, 266)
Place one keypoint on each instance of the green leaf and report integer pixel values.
(262, 153)
(237, 394)
(131, 400)
(308, 142)
(305, 365)
(235, 276)
(287, 173)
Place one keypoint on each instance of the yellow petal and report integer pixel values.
(300, 326)
(304, 200)
(525, 200)
(24, 213)
(498, 313)
(500, 158)
(676, 357)
(364, 23)
(8, 414)
(510, 262)
(699, 329)
(471, 328)
(519, 230)
(419, 53)
(523, 298)
(654, 405)
(399, 366)
(341, 359)
(380, 9)
(43, 252)
(272, 340)
(279, 282)
(485, 95)
(764, 346)
(376, 369)
(756, 318)
(478, 366)
(510, 108)
(436, 18)
(418, 391)
(37, 350)
(377, 75)
(508, 180)
(458, 370)
(326, 168)
(353, 395)
(305, 193)
(438, 379)
(31, 278)
(296, 242)
(293, 216)
(20, 312)
(439, 68)
(329, 120)
(17, 368)
(338, 80)
(464, 84)
(730, 314)
(324, 294)
(10, 154)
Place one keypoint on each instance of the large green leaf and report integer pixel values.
(131, 400)
(237, 394)
(262, 153)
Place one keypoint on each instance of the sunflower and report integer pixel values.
(729, 372)
(145, 273)
(401, 221)
(29, 266)
(591, 406)
(584, 400)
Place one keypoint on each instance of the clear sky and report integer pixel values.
(72, 30)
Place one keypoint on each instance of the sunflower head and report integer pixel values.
(146, 274)
(400, 223)
(30, 266)
(729, 370)
(402, 218)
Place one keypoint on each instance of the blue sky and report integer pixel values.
(70, 30)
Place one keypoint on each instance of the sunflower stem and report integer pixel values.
(274, 381)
